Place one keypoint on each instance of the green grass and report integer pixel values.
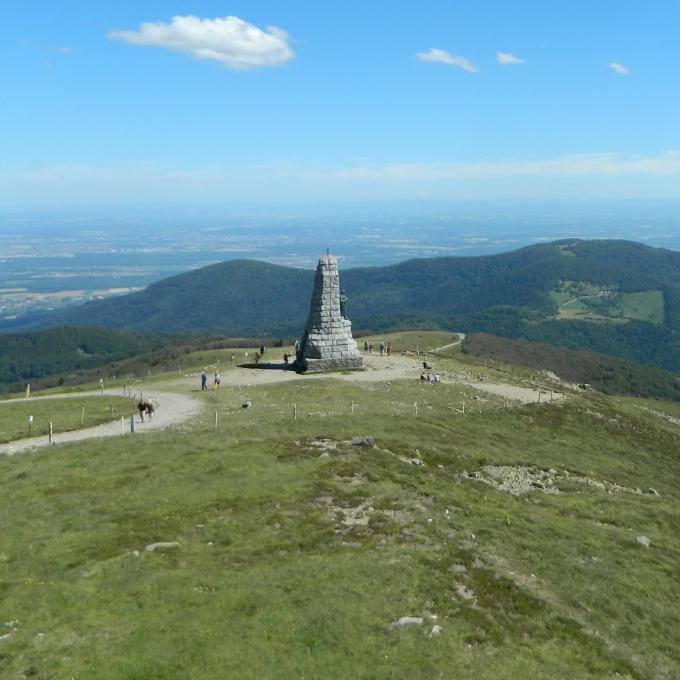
(647, 306)
(66, 414)
(405, 341)
(270, 580)
(582, 300)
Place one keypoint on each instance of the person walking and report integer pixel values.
(217, 381)
(204, 381)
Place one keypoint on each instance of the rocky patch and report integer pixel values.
(520, 480)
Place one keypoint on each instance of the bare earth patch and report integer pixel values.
(519, 480)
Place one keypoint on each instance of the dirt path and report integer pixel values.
(461, 337)
(174, 409)
(379, 369)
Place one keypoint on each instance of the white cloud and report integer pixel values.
(235, 43)
(444, 57)
(65, 50)
(583, 176)
(508, 58)
(619, 68)
(667, 163)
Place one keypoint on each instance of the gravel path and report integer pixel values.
(173, 409)
(178, 408)
(379, 369)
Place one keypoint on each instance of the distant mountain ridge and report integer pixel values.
(512, 294)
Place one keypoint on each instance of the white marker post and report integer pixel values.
(51, 432)
(82, 416)
(101, 385)
(30, 422)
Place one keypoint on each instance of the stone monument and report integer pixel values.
(327, 342)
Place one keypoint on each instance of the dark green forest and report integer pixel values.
(26, 357)
(507, 294)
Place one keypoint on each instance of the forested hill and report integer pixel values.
(27, 357)
(614, 296)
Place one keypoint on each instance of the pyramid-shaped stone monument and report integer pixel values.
(327, 342)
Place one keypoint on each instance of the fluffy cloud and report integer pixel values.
(235, 43)
(667, 163)
(619, 68)
(444, 57)
(508, 59)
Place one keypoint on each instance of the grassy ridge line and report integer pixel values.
(606, 374)
(285, 571)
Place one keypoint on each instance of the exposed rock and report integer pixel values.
(407, 621)
(6, 636)
(436, 631)
(363, 441)
(162, 546)
(324, 455)
(247, 404)
(465, 593)
(520, 480)
(643, 540)
(652, 492)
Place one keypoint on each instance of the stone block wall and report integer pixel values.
(327, 342)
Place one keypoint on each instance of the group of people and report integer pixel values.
(435, 378)
(385, 349)
(217, 381)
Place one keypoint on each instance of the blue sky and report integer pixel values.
(341, 101)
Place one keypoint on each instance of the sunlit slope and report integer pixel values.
(509, 532)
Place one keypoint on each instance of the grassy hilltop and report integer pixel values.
(299, 550)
